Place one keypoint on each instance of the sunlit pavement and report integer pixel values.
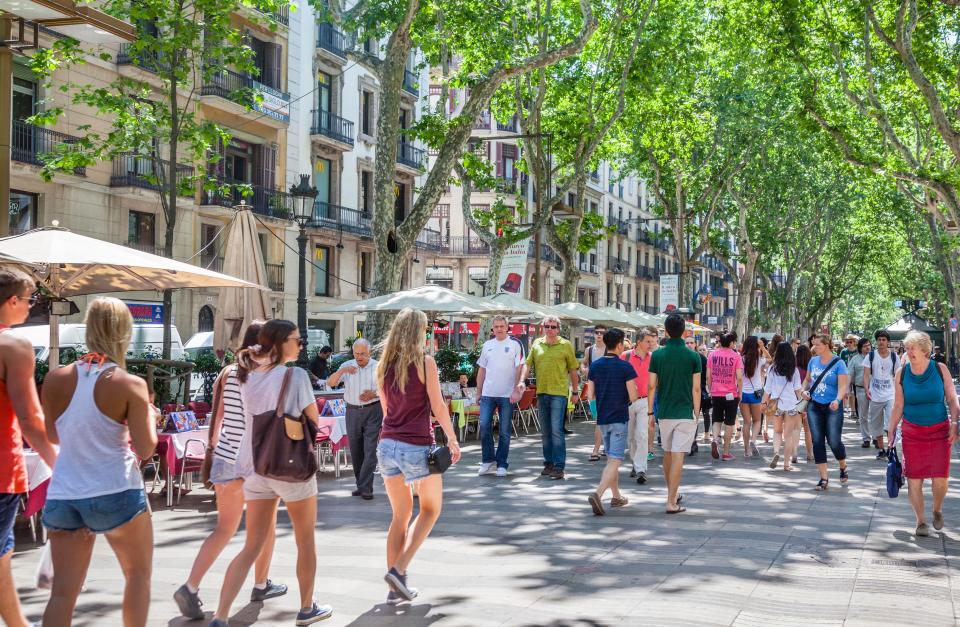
(755, 547)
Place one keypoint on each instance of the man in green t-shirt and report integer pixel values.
(555, 366)
(674, 391)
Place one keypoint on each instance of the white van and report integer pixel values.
(146, 338)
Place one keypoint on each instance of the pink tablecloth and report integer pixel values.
(38, 476)
(173, 446)
(334, 428)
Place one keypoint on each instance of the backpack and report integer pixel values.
(893, 356)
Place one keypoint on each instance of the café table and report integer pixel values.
(334, 428)
(172, 447)
(38, 480)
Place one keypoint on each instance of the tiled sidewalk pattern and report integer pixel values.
(756, 547)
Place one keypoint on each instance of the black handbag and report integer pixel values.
(438, 459)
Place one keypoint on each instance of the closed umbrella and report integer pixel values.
(68, 264)
(237, 307)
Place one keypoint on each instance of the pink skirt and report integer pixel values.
(926, 450)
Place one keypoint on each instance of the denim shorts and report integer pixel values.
(614, 439)
(9, 504)
(99, 514)
(223, 471)
(751, 398)
(400, 458)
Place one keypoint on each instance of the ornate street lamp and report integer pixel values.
(304, 194)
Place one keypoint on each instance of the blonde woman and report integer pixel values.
(409, 388)
(923, 392)
(100, 416)
(261, 373)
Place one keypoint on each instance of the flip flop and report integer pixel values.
(676, 511)
(594, 458)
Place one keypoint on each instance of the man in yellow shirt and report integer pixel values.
(555, 366)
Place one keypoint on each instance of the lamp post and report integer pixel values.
(618, 279)
(304, 195)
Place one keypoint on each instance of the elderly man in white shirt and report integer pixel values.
(364, 414)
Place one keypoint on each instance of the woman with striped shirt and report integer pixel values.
(226, 431)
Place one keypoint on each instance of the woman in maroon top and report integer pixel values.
(409, 387)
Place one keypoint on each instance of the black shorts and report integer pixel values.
(725, 411)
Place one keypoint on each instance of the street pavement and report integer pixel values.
(755, 547)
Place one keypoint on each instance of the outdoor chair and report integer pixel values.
(194, 452)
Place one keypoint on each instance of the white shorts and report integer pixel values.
(676, 436)
(257, 487)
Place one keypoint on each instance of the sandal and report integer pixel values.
(788, 469)
(822, 485)
(618, 502)
(594, 457)
(844, 476)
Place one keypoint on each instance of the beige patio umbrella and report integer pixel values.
(68, 264)
(608, 316)
(237, 307)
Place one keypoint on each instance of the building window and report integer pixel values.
(440, 275)
(593, 299)
(205, 319)
(321, 278)
(366, 192)
(609, 293)
(366, 113)
(141, 229)
(557, 293)
(477, 280)
(400, 205)
(23, 212)
(209, 247)
(366, 271)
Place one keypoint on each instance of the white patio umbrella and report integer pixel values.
(613, 317)
(533, 309)
(625, 318)
(432, 300)
(68, 264)
(237, 307)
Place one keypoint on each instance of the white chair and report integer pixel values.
(194, 452)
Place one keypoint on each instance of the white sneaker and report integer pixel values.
(501, 471)
(487, 469)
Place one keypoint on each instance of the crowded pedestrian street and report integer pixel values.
(755, 547)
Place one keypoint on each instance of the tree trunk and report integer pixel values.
(741, 318)
(170, 206)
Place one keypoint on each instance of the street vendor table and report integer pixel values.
(172, 447)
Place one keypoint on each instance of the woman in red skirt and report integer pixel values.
(923, 390)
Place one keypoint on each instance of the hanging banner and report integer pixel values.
(669, 292)
(513, 269)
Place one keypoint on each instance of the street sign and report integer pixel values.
(953, 324)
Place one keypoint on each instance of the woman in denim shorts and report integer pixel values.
(227, 427)
(409, 387)
(97, 412)
(752, 395)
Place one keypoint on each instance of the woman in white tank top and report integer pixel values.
(96, 411)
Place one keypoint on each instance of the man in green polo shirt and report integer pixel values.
(555, 366)
(674, 390)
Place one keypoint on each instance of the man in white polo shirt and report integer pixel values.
(364, 414)
(499, 387)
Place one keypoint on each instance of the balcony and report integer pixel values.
(274, 276)
(663, 244)
(272, 203)
(428, 239)
(510, 125)
(332, 126)
(330, 39)
(144, 247)
(650, 309)
(211, 262)
(729, 313)
(645, 237)
(464, 246)
(243, 89)
(130, 170)
(622, 226)
(483, 122)
(147, 60)
(589, 268)
(506, 185)
(31, 142)
(281, 15)
(410, 81)
(720, 292)
(546, 254)
(410, 156)
(643, 272)
(615, 262)
(335, 217)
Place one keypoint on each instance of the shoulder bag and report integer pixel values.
(284, 446)
(439, 459)
(802, 405)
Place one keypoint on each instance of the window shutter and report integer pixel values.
(499, 166)
(257, 162)
(218, 169)
(270, 166)
(275, 65)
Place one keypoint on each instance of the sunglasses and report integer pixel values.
(32, 299)
(550, 326)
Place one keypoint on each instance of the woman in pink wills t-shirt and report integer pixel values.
(724, 382)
